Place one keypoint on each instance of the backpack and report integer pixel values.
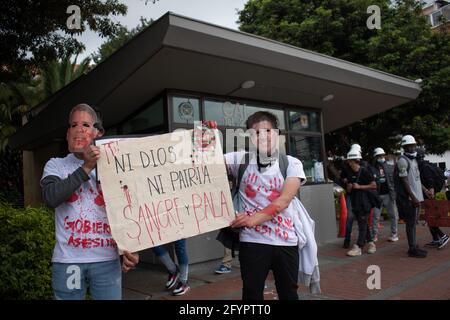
(436, 175)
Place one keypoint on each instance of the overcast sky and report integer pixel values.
(220, 12)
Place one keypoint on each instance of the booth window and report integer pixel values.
(146, 121)
(185, 110)
(304, 121)
(309, 151)
(235, 114)
(300, 129)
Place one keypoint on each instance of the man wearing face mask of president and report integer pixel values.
(384, 178)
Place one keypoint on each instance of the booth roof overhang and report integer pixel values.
(177, 52)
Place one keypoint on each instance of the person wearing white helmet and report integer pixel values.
(356, 147)
(359, 182)
(409, 193)
(346, 172)
(384, 176)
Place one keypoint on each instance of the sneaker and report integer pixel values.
(393, 238)
(346, 244)
(222, 269)
(433, 244)
(421, 250)
(356, 251)
(417, 253)
(375, 239)
(181, 289)
(443, 241)
(372, 248)
(172, 280)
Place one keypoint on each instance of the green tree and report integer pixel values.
(33, 31)
(118, 40)
(56, 74)
(405, 46)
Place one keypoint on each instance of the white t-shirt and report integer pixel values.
(83, 234)
(413, 175)
(258, 190)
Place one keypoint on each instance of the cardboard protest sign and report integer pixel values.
(159, 189)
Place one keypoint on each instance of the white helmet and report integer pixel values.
(356, 147)
(408, 139)
(354, 155)
(378, 151)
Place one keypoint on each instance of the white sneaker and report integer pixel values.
(356, 251)
(372, 248)
(393, 238)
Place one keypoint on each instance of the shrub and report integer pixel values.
(26, 245)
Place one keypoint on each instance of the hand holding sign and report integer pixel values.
(91, 154)
(130, 260)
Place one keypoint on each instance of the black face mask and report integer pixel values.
(265, 161)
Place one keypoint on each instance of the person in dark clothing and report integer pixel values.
(440, 239)
(384, 175)
(359, 182)
(346, 172)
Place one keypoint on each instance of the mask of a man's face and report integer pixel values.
(81, 131)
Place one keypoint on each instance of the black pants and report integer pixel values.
(436, 233)
(258, 259)
(411, 222)
(364, 234)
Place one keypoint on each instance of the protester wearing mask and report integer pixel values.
(409, 193)
(346, 173)
(427, 177)
(359, 183)
(384, 174)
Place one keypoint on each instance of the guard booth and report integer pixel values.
(180, 70)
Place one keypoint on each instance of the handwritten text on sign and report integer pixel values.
(157, 190)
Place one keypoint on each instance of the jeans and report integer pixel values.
(258, 259)
(349, 222)
(227, 257)
(71, 280)
(363, 228)
(391, 207)
(182, 257)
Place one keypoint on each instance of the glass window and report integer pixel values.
(185, 110)
(236, 114)
(152, 116)
(304, 121)
(309, 151)
(225, 113)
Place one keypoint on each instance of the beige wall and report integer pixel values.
(33, 166)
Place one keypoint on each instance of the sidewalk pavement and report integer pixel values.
(342, 277)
